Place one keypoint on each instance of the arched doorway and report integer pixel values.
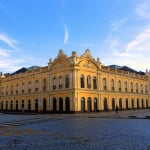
(105, 104)
(146, 103)
(36, 105)
(67, 104)
(120, 104)
(89, 105)
(22, 105)
(132, 103)
(16, 105)
(95, 105)
(54, 105)
(82, 104)
(44, 105)
(127, 107)
(2, 105)
(113, 104)
(138, 104)
(142, 103)
(6, 105)
(60, 104)
(29, 105)
(11, 105)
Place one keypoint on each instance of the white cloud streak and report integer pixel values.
(66, 37)
(141, 42)
(143, 10)
(7, 40)
(9, 60)
(120, 54)
(4, 53)
(117, 25)
(133, 48)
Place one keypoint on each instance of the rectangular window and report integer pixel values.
(44, 85)
(29, 87)
(54, 83)
(67, 81)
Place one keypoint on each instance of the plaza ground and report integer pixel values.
(103, 130)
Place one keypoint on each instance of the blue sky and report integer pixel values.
(116, 31)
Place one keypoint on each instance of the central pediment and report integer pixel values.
(59, 65)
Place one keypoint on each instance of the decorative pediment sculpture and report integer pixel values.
(61, 54)
(60, 65)
(89, 65)
(87, 53)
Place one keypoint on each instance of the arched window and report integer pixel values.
(145, 88)
(67, 81)
(44, 84)
(112, 85)
(126, 86)
(7, 90)
(60, 82)
(94, 83)
(36, 85)
(136, 86)
(12, 89)
(141, 88)
(119, 85)
(2, 90)
(131, 87)
(22, 87)
(88, 82)
(105, 84)
(17, 87)
(29, 86)
(82, 81)
(54, 83)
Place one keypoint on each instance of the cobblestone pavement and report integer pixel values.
(128, 130)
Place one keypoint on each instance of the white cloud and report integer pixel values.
(143, 10)
(9, 66)
(141, 42)
(7, 40)
(66, 37)
(117, 24)
(130, 45)
(133, 53)
(10, 61)
(121, 54)
(4, 53)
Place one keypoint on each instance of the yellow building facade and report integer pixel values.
(74, 84)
